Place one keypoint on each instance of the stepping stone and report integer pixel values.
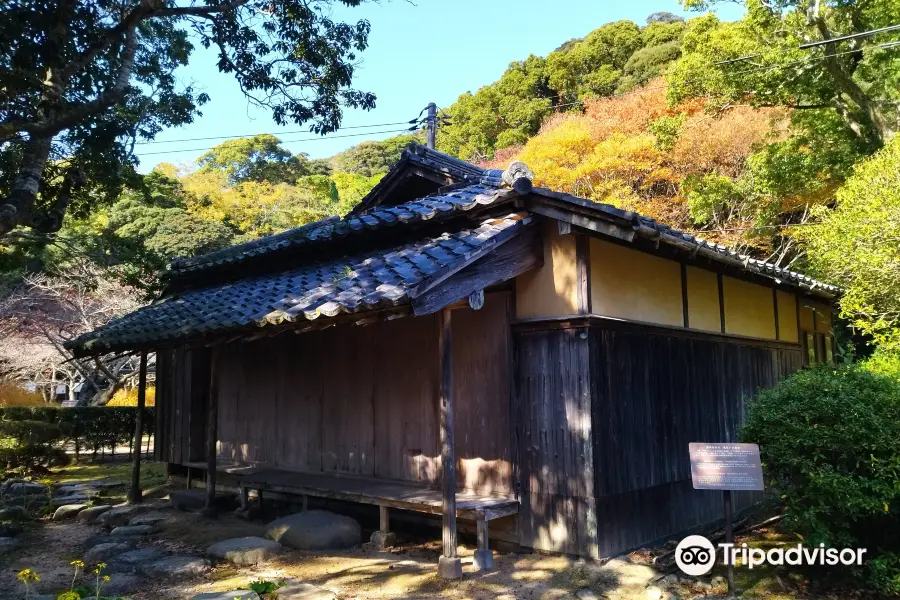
(57, 501)
(175, 567)
(119, 515)
(68, 490)
(105, 485)
(26, 487)
(134, 560)
(14, 513)
(132, 530)
(315, 530)
(188, 499)
(122, 584)
(68, 511)
(132, 540)
(105, 552)
(245, 550)
(235, 595)
(303, 591)
(91, 514)
(150, 518)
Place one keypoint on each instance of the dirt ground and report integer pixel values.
(363, 573)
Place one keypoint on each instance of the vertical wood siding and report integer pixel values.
(352, 400)
(553, 413)
(652, 395)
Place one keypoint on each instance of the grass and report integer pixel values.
(153, 478)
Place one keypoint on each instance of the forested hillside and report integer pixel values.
(724, 129)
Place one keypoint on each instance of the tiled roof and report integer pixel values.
(370, 281)
(436, 206)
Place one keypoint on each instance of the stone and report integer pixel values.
(106, 485)
(303, 591)
(105, 552)
(58, 501)
(315, 530)
(11, 529)
(26, 487)
(14, 513)
(188, 499)
(7, 544)
(122, 584)
(483, 560)
(132, 540)
(586, 594)
(68, 511)
(653, 593)
(245, 550)
(449, 567)
(118, 515)
(235, 595)
(383, 540)
(150, 518)
(176, 566)
(132, 530)
(69, 490)
(671, 579)
(92, 513)
(134, 559)
(717, 581)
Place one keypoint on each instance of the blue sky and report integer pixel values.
(419, 52)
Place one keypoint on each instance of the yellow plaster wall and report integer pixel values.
(823, 317)
(629, 284)
(806, 317)
(703, 300)
(787, 316)
(749, 309)
(552, 290)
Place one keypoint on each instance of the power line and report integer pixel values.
(227, 137)
(315, 139)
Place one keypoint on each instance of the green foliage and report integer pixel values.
(856, 246)
(666, 130)
(372, 158)
(709, 195)
(81, 82)
(262, 586)
(830, 444)
(38, 433)
(258, 158)
(858, 87)
(613, 58)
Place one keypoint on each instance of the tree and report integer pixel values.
(856, 78)
(258, 158)
(857, 246)
(80, 81)
(372, 158)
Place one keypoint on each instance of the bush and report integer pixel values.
(830, 444)
(30, 444)
(13, 395)
(129, 397)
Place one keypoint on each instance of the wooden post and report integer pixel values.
(212, 434)
(449, 564)
(383, 538)
(484, 558)
(134, 494)
(432, 124)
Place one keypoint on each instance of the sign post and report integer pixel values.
(726, 467)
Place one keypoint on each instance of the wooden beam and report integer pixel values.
(775, 305)
(134, 494)
(684, 296)
(520, 254)
(565, 228)
(583, 273)
(449, 565)
(721, 286)
(595, 225)
(212, 434)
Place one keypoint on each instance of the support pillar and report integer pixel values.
(135, 495)
(384, 537)
(212, 434)
(449, 564)
(484, 558)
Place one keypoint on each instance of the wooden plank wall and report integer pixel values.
(555, 441)
(353, 400)
(652, 394)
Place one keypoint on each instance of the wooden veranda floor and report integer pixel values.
(364, 490)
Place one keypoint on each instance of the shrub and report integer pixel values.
(830, 444)
(13, 395)
(129, 397)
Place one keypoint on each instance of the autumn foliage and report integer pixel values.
(636, 152)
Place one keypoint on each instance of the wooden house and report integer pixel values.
(467, 345)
